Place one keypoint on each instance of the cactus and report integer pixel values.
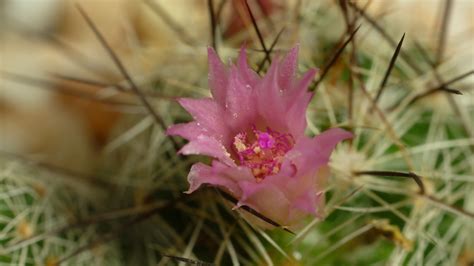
(399, 193)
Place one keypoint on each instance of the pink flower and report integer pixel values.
(254, 129)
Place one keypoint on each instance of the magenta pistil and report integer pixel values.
(262, 151)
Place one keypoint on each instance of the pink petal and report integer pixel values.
(296, 185)
(245, 72)
(270, 104)
(217, 76)
(203, 174)
(299, 92)
(310, 154)
(208, 115)
(188, 131)
(297, 100)
(306, 202)
(327, 140)
(237, 174)
(296, 115)
(204, 145)
(266, 199)
(287, 69)
(303, 83)
(321, 146)
(269, 83)
(297, 213)
(300, 88)
(249, 187)
(278, 101)
(240, 102)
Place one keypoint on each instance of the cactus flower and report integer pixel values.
(254, 129)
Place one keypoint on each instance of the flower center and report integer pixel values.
(262, 151)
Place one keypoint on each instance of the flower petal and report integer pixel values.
(245, 72)
(203, 174)
(269, 200)
(217, 76)
(204, 145)
(240, 102)
(188, 131)
(309, 154)
(218, 174)
(270, 102)
(208, 115)
(327, 140)
(306, 202)
(303, 83)
(287, 69)
(297, 100)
